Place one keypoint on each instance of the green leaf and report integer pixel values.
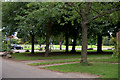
(28, 5)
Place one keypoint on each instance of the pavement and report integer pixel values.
(16, 69)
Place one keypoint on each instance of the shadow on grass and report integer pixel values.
(64, 53)
(57, 55)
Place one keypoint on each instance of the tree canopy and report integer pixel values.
(39, 18)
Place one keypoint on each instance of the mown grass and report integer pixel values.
(105, 70)
(40, 55)
(105, 60)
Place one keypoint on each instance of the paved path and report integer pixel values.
(15, 69)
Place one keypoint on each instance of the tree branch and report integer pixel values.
(94, 10)
(75, 8)
(102, 14)
(88, 5)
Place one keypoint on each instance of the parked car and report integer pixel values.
(16, 46)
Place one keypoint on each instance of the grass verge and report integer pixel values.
(106, 70)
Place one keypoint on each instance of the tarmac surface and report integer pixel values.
(16, 69)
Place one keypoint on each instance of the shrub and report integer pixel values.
(115, 51)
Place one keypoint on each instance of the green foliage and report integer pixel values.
(9, 11)
(4, 47)
(115, 52)
(33, 18)
(107, 41)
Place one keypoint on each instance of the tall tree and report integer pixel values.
(89, 12)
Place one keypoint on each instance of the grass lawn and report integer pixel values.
(105, 70)
(59, 55)
(38, 56)
(105, 60)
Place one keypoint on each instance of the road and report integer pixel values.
(16, 69)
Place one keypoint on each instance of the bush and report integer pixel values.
(115, 52)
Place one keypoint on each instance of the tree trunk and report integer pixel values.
(74, 44)
(32, 51)
(84, 25)
(67, 42)
(84, 43)
(60, 45)
(48, 31)
(91, 44)
(99, 43)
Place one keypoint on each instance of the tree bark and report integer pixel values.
(32, 36)
(99, 43)
(67, 42)
(74, 44)
(60, 45)
(84, 26)
(48, 31)
(84, 43)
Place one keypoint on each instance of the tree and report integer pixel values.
(75, 31)
(57, 33)
(47, 13)
(9, 25)
(9, 11)
(89, 12)
(27, 23)
(46, 19)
